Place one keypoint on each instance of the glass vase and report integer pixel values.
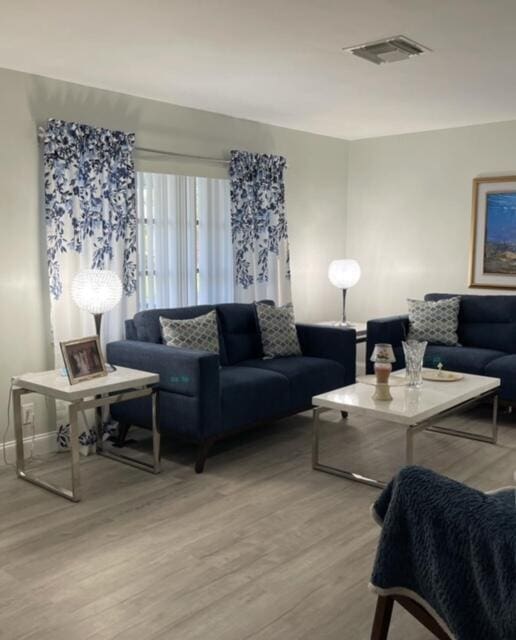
(414, 353)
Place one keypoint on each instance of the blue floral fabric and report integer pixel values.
(89, 197)
(90, 215)
(258, 221)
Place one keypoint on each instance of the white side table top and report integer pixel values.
(53, 384)
(408, 406)
(359, 327)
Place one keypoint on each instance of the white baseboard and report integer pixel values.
(44, 443)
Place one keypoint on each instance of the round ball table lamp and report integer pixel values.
(344, 274)
(96, 291)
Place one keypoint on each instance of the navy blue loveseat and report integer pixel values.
(487, 339)
(204, 396)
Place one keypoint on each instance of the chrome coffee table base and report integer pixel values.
(410, 432)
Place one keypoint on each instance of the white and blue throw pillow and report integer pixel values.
(199, 333)
(278, 330)
(436, 322)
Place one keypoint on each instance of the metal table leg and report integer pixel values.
(494, 421)
(74, 449)
(335, 471)
(409, 446)
(75, 494)
(155, 465)
(492, 439)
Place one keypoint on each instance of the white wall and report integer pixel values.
(316, 196)
(409, 211)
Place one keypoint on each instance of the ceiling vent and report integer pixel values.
(392, 49)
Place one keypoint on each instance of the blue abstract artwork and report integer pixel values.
(500, 236)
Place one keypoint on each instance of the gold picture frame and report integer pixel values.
(83, 359)
(493, 233)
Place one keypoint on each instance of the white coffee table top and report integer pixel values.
(409, 406)
(53, 384)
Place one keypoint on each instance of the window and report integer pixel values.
(184, 241)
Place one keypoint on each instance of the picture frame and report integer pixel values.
(83, 359)
(493, 233)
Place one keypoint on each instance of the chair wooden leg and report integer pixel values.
(382, 618)
(202, 454)
(423, 617)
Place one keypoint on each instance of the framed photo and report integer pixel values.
(83, 359)
(493, 238)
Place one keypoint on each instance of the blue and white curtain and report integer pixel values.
(259, 227)
(90, 214)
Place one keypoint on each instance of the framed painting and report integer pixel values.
(493, 236)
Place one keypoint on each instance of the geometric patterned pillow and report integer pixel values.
(278, 330)
(436, 322)
(199, 333)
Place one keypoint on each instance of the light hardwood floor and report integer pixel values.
(259, 547)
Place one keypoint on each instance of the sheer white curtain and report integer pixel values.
(214, 236)
(184, 241)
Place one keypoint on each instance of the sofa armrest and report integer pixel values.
(333, 343)
(183, 371)
(392, 330)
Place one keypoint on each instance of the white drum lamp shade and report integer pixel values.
(96, 291)
(344, 274)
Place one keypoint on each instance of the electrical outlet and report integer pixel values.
(28, 413)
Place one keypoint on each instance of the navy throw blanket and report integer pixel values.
(452, 549)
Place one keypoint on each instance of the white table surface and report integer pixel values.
(53, 384)
(359, 327)
(409, 406)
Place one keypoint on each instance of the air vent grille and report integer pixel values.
(392, 49)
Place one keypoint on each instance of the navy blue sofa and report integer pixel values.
(204, 397)
(487, 338)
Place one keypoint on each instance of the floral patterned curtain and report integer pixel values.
(259, 227)
(90, 214)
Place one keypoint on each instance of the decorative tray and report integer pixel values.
(394, 380)
(441, 376)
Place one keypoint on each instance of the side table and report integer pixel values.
(118, 386)
(359, 327)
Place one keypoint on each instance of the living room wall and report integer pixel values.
(316, 197)
(409, 211)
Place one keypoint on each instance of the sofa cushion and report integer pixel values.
(250, 395)
(485, 321)
(463, 359)
(201, 333)
(277, 331)
(306, 377)
(239, 331)
(505, 369)
(435, 321)
(147, 325)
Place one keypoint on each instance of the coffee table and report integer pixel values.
(414, 410)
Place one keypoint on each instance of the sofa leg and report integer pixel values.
(344, 414)
(202, 454)
(382, 618)
(123, 429)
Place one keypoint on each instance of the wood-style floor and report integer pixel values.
(259, 547)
